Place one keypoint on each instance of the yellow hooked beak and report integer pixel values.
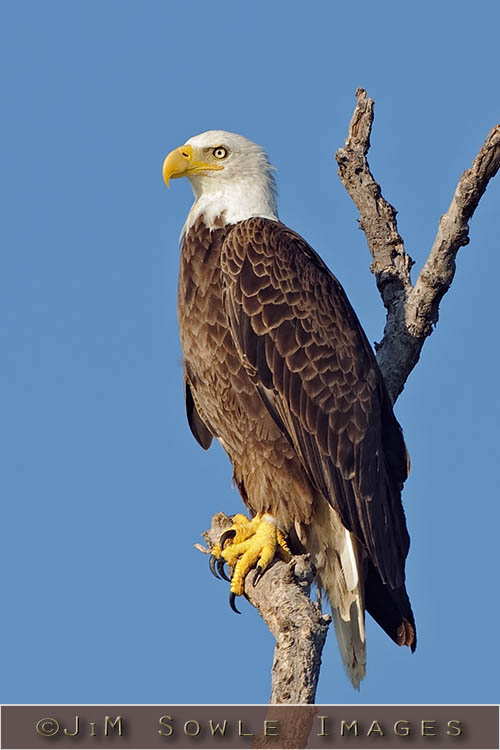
(181, 163)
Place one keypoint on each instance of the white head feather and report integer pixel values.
(245, 187)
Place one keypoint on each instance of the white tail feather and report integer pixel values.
(352, 645)
(335, 554)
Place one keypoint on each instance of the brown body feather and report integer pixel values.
(277, 367)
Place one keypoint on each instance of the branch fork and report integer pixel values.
(412, 310)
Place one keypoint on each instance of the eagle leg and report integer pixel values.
(241, 529)
(254, 544)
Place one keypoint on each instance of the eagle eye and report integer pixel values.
(220, 152)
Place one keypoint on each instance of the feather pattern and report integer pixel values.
(302, 338)
(278, 369)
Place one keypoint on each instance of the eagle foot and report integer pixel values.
(247, 544)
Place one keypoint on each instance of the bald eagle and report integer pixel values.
(279, 370)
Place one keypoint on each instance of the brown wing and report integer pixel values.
(306, 352)
(198, 427)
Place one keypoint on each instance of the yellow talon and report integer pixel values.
(250, 544)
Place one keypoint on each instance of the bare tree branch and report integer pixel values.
(391, 264)
(453, 232)
(282, 598)
(295, 725)
(412, 311)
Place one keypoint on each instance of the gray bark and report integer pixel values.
(412, 310)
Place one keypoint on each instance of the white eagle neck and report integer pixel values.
(231, 200)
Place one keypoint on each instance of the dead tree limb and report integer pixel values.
(412, 310)
(300, 629)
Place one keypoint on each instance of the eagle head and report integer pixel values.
(230, 176)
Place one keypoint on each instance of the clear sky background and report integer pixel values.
(103, 489)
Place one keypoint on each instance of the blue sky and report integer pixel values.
(104, 491)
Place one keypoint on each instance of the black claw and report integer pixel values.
(229, 534)
(258, 575)
(220, 569)
(232, 598)
(212, 562)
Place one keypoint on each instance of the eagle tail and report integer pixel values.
(390, 608)
(351, 642)
(334, 553)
